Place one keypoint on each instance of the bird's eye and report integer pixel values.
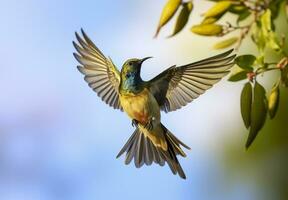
(128, 75)
(130, 63)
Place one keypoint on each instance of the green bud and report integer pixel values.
(207, 29)
(167, 13)
(273, 101)
(183, 17)
(225, 43)
(237, 9)
(218, 9)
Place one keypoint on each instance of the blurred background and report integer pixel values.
(58, 140)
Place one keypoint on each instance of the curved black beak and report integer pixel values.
(146, 58)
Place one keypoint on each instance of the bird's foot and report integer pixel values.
(149, 125)
(135, 123)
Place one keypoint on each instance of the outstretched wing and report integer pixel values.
(100, 72)
(178, 86)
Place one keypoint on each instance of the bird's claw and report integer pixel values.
(149, 125)
(135, 123)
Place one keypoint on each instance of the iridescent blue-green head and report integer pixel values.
(130, 73)
(132, 67)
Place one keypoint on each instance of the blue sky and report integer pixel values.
(59, 141)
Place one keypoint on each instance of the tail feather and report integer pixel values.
(143, 151)
(131, 151)
(176, 139)
(148, 153)
(128, 144)
(157, 154)
(139, 156)
(174, 163)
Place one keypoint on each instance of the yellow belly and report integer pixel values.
(141, 107)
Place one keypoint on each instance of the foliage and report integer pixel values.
(254, 19)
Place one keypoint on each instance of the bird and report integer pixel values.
(143, 101)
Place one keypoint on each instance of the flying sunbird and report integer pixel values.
(143, 100)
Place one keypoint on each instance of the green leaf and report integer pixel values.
(246, 103)
(244, 15)
(167, 13)
(238, 76)
(218, 9)
(274, 6)
(258, 37)
(266, 22)
(260, 61)
(245, 61)
(183, 17)
(225, 43)
(258, 113)
(273, 101)
(207, 29)
(268, 32)
(274, 44)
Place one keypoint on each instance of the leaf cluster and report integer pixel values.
(255, 19)
(254, 16)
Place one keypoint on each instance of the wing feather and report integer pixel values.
(178, 86)
(99, 72)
